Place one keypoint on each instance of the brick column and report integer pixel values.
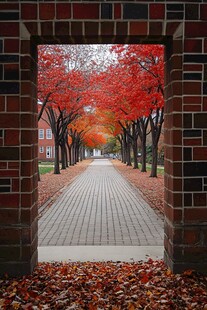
(186, 146)
(18, 155)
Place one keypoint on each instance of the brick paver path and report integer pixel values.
(100, 208)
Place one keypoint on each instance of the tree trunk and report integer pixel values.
(124, 149)
(144, 154)
(74, 154)
(81, 153)
(63, 159)
(135, 148)
(142, 124)
(156, 126)
(56, 163)
(77, 153)
(38, 173)
(66, 149)
(135, 156)
(154, 162)
(84, 153)
(129, 163)
(120, 139)
(121, 150)
(70, 155)
(66, 157)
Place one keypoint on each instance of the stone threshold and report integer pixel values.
(99, 253)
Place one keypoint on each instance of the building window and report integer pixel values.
(49, 152)
(48, 134)
(41, 149)
(41, 133)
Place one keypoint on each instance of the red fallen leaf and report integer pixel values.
(101, 290)
(131, 307)
(28, 306)
(188, 272)
(33, 294)
(168, 273)
(144, 279)
(119, 292)
(15, 283)
(92, 307)
(132, 280)
(119, 279)
(15, 305)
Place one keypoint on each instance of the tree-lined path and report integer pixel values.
(100, 208)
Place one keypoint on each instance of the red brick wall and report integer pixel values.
(182, 27)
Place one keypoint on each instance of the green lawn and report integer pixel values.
(43, 169)
(160, 170)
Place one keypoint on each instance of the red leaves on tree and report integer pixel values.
(94, 139)
(58, 87)
(134, 86)
(130, 88)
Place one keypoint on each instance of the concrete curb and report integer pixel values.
(99, 253)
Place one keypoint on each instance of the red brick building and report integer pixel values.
(45, 142)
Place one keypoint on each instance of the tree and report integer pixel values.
(149, 60)
(116, 91)
(51, 70)
(125, 93)
(94, 139)
(77, 130)
(61, 94)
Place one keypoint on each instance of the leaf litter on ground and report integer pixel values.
(104, 285)
(152, 189)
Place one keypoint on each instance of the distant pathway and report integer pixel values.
(100, 208)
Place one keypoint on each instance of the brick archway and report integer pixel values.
(182, 27)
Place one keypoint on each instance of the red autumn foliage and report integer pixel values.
(133, 87)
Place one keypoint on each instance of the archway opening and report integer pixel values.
(110, 92)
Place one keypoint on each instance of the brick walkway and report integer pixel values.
(100, 208)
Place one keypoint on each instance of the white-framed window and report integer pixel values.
(41, 133)
(48, 134)
(49, 152)
(41, 149)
